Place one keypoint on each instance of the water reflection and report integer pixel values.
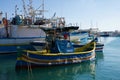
(99, 56)
(7, 63)
(67, 72)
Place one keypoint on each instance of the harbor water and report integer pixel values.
(105, 67)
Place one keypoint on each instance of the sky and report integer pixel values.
(102, 14)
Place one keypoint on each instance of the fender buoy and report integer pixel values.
(5, 22)
(65, 36)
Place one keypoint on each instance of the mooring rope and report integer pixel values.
(30, 75)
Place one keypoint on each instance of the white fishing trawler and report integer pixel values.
(23, 29)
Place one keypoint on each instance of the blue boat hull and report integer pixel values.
(36, 60)
(13, 48)
(60, 53)
(9, 45)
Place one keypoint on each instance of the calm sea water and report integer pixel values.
(105, 67)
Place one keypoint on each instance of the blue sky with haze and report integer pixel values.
(102, 14)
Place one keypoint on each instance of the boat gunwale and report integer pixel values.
(57, 54)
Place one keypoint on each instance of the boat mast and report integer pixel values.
(6, 25)
(31, 11)
(41, 12)
(43, 9)
(1, 17)
(16, 10)
(24, 8)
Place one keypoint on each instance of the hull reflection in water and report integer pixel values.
(59, 72)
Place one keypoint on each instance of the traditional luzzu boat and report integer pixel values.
(58, 51)
(79, 39)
